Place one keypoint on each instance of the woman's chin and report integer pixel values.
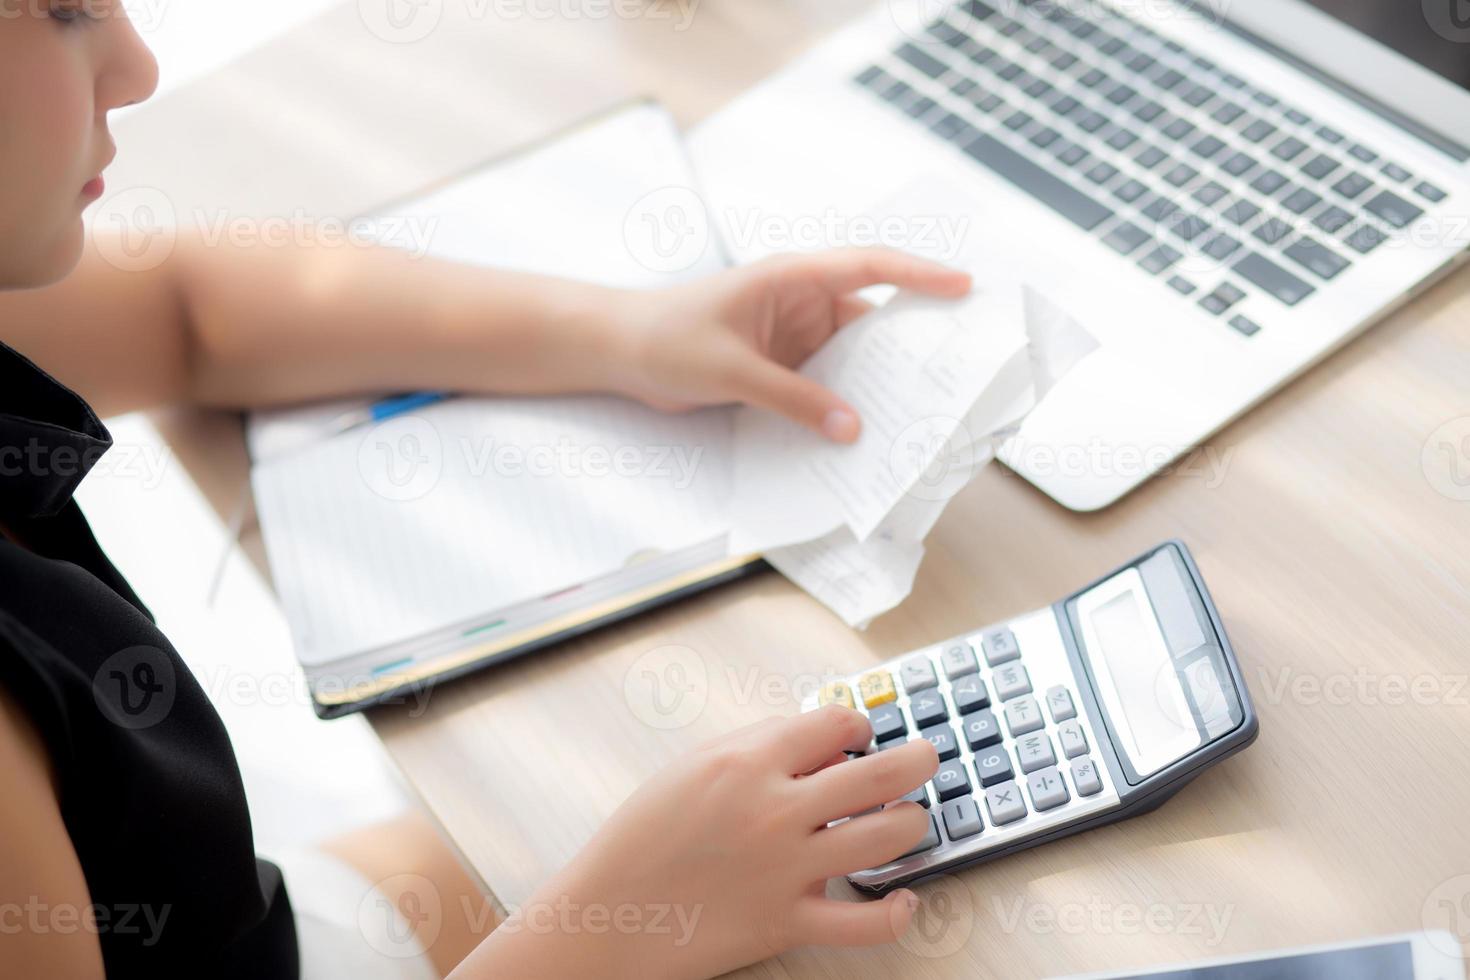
(35, 268)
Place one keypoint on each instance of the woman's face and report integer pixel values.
(64, 64)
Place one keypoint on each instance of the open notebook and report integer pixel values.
(428, 545)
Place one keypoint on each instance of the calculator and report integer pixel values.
(1097, 708)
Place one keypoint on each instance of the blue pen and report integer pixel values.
(386, 408)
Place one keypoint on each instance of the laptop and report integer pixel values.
(1220, 195)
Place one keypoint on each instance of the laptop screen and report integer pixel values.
(1435, 33)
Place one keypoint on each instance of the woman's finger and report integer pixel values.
(861, 784)
(778, 389)
(868, 841)
(801, 743)
(846, 309)
(828, 922)
(846, 270)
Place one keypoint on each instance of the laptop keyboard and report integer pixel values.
(1211, 185)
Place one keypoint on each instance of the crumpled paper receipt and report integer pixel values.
(939, 385)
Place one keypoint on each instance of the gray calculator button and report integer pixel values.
(887, 722)
(961, 818)
(970, 694)
(917, 795)
(1084, 774)
(1073, 739)
(1048, 791)
(1011, 681)
(1023, 715)
(1004, 803)
(1034, 752)
(1059, 700)
(931, 839)
(943, 740)
(1000, 647)
(951, 780)
(928, 708)
(981, 729)
(918, 674)
(959, 660)
(993, 765)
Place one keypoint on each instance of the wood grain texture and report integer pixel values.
(1342, 573)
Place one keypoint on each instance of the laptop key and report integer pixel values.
(1198, 95)
(990, 103)
(1070, 154)
(1148, 111)
(1180, 175)
(951, 126)
(1288, 149)
(1329, 135)
(1239, 212)
(1159, 208)
(1209, 193)
(1249, 328)
(1093, 78)
(1227, 113)
(1395, 173)
(1151, 157)
(1301, 200)
(1065, 105)
(1333, 220)
(1352, 185)
(1055, 193)
(1207, 148)
(1222, 246)
(1121, 93)
(1101, 173)
(1393, 209)
(1169, 79)
(1272, 230)
(1159, 259)
(1129, 191)
(1429, 192)
(1122, 139)
(1188, 227)
(1269, 182)
(1361, 152)
(1319, 166)
(925, 62)
(1018, 120)
(1091, 121)
(1316, 258)
(1179, 129)
(1365, 238)
(1267, 275)
(1045, 137)
(1181, 285)
(1126, 238)
(1258, 131)
(1238, 164)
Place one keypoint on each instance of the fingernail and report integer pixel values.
(913, 900)
(840, 425)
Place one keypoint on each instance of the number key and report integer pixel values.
(943, 740)
(993, 766)
(887, 722)
(928, 708)
(970, 694)
(951, 780)
(981, 729)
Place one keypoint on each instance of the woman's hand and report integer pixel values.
(739, 336)
(723, 859)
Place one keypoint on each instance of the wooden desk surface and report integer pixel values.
(1326, 524)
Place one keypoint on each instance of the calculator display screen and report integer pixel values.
(1139, 685)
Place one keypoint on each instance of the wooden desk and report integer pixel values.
(1338, 556)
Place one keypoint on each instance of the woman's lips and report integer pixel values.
(94, 188)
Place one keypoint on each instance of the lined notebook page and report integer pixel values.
(383, 534)
(380, 536)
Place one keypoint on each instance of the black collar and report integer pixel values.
(49, 439)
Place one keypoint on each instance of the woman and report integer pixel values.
(103, 821)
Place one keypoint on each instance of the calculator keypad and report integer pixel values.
(1000, 709)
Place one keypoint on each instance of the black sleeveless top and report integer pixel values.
(147, 781)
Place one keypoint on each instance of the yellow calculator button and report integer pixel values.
(877, 688)
(839, 692)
